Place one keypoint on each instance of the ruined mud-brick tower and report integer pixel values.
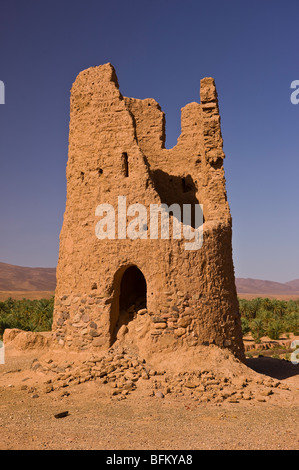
(116, 148)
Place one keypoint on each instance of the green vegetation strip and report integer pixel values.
(269, 317)
(260, 316)
(28, 315)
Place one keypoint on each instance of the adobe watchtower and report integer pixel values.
(116, 148)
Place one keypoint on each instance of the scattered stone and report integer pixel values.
(122, 331)
(63, 414)
(121, 370)
(179, 332)
(36, 365)
(266, 393)
(190, 385)
(283, 386)
(142, 311)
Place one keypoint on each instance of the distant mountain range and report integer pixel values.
(19, 278)
(258, 286)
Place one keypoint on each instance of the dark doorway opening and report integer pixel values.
(132, 289)
(129, 298)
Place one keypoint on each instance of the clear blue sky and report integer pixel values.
(160, 49)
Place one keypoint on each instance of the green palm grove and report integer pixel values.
(260, 316)
(28, 315)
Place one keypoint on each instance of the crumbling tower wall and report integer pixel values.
(117, 148)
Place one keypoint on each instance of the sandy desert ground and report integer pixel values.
(97, 419)
(31, 295)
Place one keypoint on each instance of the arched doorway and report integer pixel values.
(130, 293)
(132, 289)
